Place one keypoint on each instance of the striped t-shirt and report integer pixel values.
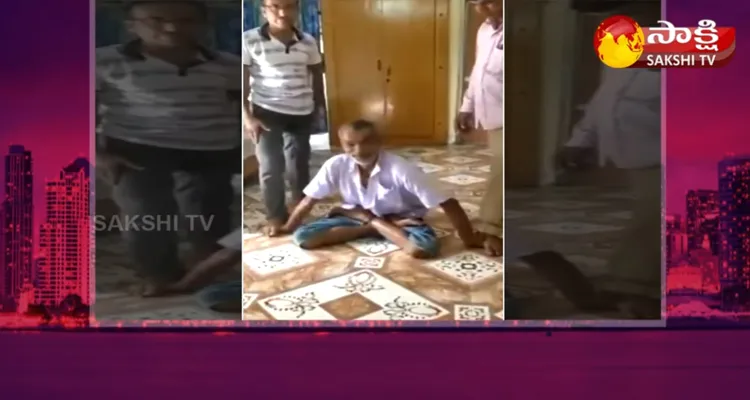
(280, 79)
(148, 101)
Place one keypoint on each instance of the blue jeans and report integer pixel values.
(421, 236)
(222, 297)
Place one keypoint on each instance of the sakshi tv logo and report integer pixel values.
(620, 42)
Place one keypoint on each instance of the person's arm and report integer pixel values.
(216, 264)
(315, 66)
(321, 186)
(247, 106)
(460, 221)
(390, 231)
(247, 62)
(301, 211)
(213, 266)
(420, 185)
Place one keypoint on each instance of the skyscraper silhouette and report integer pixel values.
(18, 225)
(675, 241)
(65, 237)
(702, 209)
(734, 227)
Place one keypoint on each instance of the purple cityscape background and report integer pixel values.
(44, 148)
(48, 140)
(707, 176)
(46, 262)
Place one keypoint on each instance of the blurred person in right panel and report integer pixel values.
(622, 124)
(482, 107)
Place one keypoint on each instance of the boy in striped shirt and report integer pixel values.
(283, 86)
(168, 136)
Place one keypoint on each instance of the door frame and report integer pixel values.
(442, 43)
(460, 19)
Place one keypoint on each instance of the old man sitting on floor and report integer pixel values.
(383, 195)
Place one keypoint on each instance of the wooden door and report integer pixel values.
(415, 46)
(355, 81)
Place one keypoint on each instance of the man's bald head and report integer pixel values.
(360, 140)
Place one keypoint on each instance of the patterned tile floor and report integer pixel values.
(372, 279)
(583, 223)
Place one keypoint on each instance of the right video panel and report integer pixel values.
(583, 168)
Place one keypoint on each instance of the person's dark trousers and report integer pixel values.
(283, 154)
(193, 185)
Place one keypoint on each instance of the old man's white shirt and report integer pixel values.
(395, 187)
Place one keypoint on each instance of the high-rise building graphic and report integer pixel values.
(65, 237)
(734, 228)
(702, 209)
(17, 225)
(673, 223)
(708, 264)
(675, 247)
(676, 240)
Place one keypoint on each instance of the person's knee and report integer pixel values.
(303, 237)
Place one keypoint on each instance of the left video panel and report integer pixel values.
(169, 161)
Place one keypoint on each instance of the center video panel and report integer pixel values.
(366, 163)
